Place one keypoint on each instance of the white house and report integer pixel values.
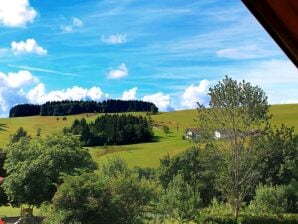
(221, 134)
(192, 134)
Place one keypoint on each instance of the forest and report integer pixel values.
(112, 130)
(62, 108)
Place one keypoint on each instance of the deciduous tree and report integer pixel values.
(34, 167)
(238, 110)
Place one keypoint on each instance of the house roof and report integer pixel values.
(279, 18)
(194, 130)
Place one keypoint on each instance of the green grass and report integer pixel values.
(145, 154)
(9, 211)
(285, 114)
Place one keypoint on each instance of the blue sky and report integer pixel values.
(168, 52)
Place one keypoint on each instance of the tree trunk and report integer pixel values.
(236, 208)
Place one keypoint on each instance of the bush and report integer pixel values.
(269, 200)
(179, 201)
(245, 219)
(292, 196)
(109, 196)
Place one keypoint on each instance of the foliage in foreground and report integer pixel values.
(179, 201)
(113, 196)
(269, 200)
(34, 167)
(199, 167)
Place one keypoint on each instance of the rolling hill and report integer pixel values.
(144, 154)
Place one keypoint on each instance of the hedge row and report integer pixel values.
(289, 219)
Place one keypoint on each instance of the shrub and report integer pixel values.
(269, 200)
(245, 219)
(179, 201)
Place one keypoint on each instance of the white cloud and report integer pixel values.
(10, 97)
(38, 94)
(114, 39)
(162, 101)
(119, 73)
(130, 94)
(194, 94)
(11, 89)
(17, 80)
(16, 13)
(245, 52)
(278, 78)
(271, 72)
(75, 23)
(29, 46)
(290, 101)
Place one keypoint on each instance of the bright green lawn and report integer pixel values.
(145, 154)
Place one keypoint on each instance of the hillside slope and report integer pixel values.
(145, 154)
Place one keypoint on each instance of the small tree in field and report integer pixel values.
(166, 129)
(237, 109)
(20, 133)
(2, 127)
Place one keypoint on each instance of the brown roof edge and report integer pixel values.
(280, 19)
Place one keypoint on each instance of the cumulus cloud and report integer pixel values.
(119, 73)
(244, 52)
(114, 39)
(10, 97)
(16, 13)
(162, 101)
(75, 23)
(38, 94)
(271, 72)
(278, 78)
(11, 89)
(17, 80)
(194, 94)
(29, 46)
(130, 94)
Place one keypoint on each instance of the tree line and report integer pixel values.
(112, 130)
(66, 107)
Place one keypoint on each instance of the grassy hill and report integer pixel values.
(145, 154)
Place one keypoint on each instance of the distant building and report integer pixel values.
(192, 134)
(221, 134)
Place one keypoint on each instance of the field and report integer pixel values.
(143, 155)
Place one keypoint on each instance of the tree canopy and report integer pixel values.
(115, 195)
(237, 109)
(34, 167)
(112, 129)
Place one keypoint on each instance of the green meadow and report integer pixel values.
(144, 154)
